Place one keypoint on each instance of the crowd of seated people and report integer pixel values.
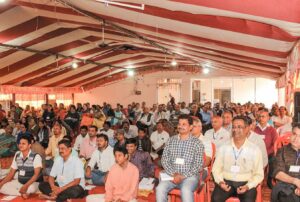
(56, 150)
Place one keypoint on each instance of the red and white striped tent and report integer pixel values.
(40, 39)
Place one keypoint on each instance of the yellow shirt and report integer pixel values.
(239, 165)
(52, 148)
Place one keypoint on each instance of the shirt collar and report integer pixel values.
(261, 128)
(244, 145)
(27, 154)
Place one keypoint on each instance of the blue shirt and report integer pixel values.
(206, 117)
(67, 171)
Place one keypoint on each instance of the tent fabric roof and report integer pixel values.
(249, 37)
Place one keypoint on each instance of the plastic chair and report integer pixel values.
(199, 194)
(209, 169)
(285, 139)
(258, 196)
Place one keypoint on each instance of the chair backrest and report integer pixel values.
(285, 139)
(212, 159)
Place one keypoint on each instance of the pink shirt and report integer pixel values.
(87, 148)
(122, 183)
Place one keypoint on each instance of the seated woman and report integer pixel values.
(286, 171)
(28, 165)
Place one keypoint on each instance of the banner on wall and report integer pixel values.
(8, 89)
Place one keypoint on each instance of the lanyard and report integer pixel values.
(236, 155)
(298, 156)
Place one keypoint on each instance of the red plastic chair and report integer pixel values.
(199, 194)
(284, 139)
(258, 196)
(207, 180)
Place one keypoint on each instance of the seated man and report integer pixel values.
(109, 132)
(122, 181)
(101, 161)
(143, 141)
(89, 145)
(238, 167)
(183, 160)
(131, 131)
(28, 165)
(158, 138)
(81, 137)
(121, 140)
(218, 135)
(286, 171)
(197, 132)
(140, 159)
(66, 179)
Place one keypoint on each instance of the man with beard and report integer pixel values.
(101, 161)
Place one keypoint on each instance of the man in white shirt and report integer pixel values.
(131, 131)
(145, 120)
(160, 114)
(109, 132)
(218, 135)
(197, 132)
(158, 138)
(101, 161)
(227, 120)
(183, 108)
(81, 137)
(256, 139)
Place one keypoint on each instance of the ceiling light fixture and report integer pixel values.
(173, 63)
(74, 65)
(206, 70)
(107, 2)
(130, 73)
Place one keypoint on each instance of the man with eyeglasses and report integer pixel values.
(238, 167)
(269, 135)
(287, 170)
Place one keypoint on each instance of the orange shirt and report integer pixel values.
(122, 183)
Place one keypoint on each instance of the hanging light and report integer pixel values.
(206, 70)
(173, 63)
(130, 73)
(74, 64)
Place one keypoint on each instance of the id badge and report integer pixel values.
(294, 169)
(22, 172)
(179, 161)
(60, 178)
(235, 169)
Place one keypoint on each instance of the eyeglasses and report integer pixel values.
(238, 127)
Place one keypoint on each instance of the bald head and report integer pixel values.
(216, 122)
